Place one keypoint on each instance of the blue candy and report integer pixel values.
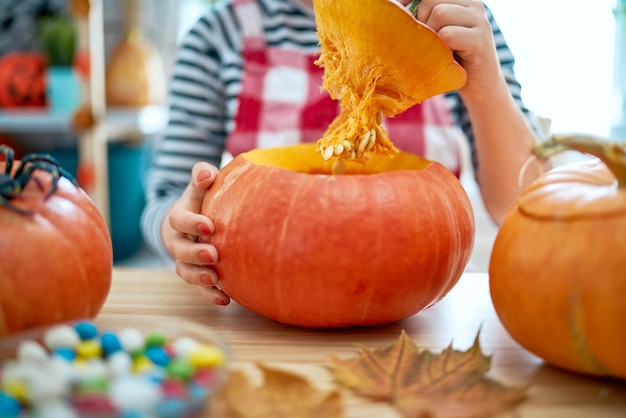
(158, 356)
(86, 330)
(132, 414)
(110, 343)
(66, 353)
(9, 406)
(171, 408)
(197, 392)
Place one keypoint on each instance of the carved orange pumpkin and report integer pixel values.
(23, 80)
(558, 267)
(305, 247)
(55, 248)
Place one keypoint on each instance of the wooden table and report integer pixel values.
(146, 294)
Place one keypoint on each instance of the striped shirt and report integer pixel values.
(204, 96)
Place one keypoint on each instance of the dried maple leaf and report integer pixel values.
(282, 395)
(419, 383)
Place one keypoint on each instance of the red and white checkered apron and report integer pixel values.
(281, 103)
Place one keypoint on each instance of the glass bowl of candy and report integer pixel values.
(125, 368)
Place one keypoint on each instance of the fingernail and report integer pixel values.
(220, 302)
(204, 229)
(206, 257)
(207, 279)
(203, 175)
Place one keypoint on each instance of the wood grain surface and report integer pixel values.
(143, 297)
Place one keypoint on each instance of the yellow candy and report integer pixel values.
(16, 388)
(142, 364)
(89, 349)
(80, 363)
(206, 356)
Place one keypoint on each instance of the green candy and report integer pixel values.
(155, 339)
(180, 369)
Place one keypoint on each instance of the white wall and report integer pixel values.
(564, 51)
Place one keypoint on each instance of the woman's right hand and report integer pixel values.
(185, 232)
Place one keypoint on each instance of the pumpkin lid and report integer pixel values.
(417, 62)
(377, 58)
(585, 189)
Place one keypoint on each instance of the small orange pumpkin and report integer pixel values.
(558, 269)
(305, 247)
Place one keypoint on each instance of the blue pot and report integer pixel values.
(63, 89)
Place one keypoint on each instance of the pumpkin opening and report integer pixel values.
(304, 158)
(377, 59)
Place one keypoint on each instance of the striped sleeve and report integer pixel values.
(197, 126)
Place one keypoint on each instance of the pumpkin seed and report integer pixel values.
(328, 152)
(339, 167)
(346, 145)
(372, 140)
(365, 139)
(339, 150)
(379, 132)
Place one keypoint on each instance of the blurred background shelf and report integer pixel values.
(35, 121)
(120, 123)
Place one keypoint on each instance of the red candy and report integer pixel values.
(174, 388)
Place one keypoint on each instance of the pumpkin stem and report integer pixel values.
(413, 7)
(12, 182)
(613, 154)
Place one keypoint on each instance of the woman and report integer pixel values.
(242, 80)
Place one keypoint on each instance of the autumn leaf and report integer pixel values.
(282, 395)
(418, 383)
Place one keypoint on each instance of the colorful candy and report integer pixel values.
(78, 371)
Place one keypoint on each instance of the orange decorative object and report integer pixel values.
(377, 58)
(85, 174)
(83, 118)
(558, 270)
(23, 80)
(80, 8)
(135, 75)
(55, 248)
(302, 246)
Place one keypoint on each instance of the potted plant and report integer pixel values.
(58, 39)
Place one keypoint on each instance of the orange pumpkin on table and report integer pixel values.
(306, 247)
(386, 238)
(558, 267)
(55, 248)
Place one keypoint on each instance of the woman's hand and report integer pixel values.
(464, 27)
(502, 134)
(185, 233)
